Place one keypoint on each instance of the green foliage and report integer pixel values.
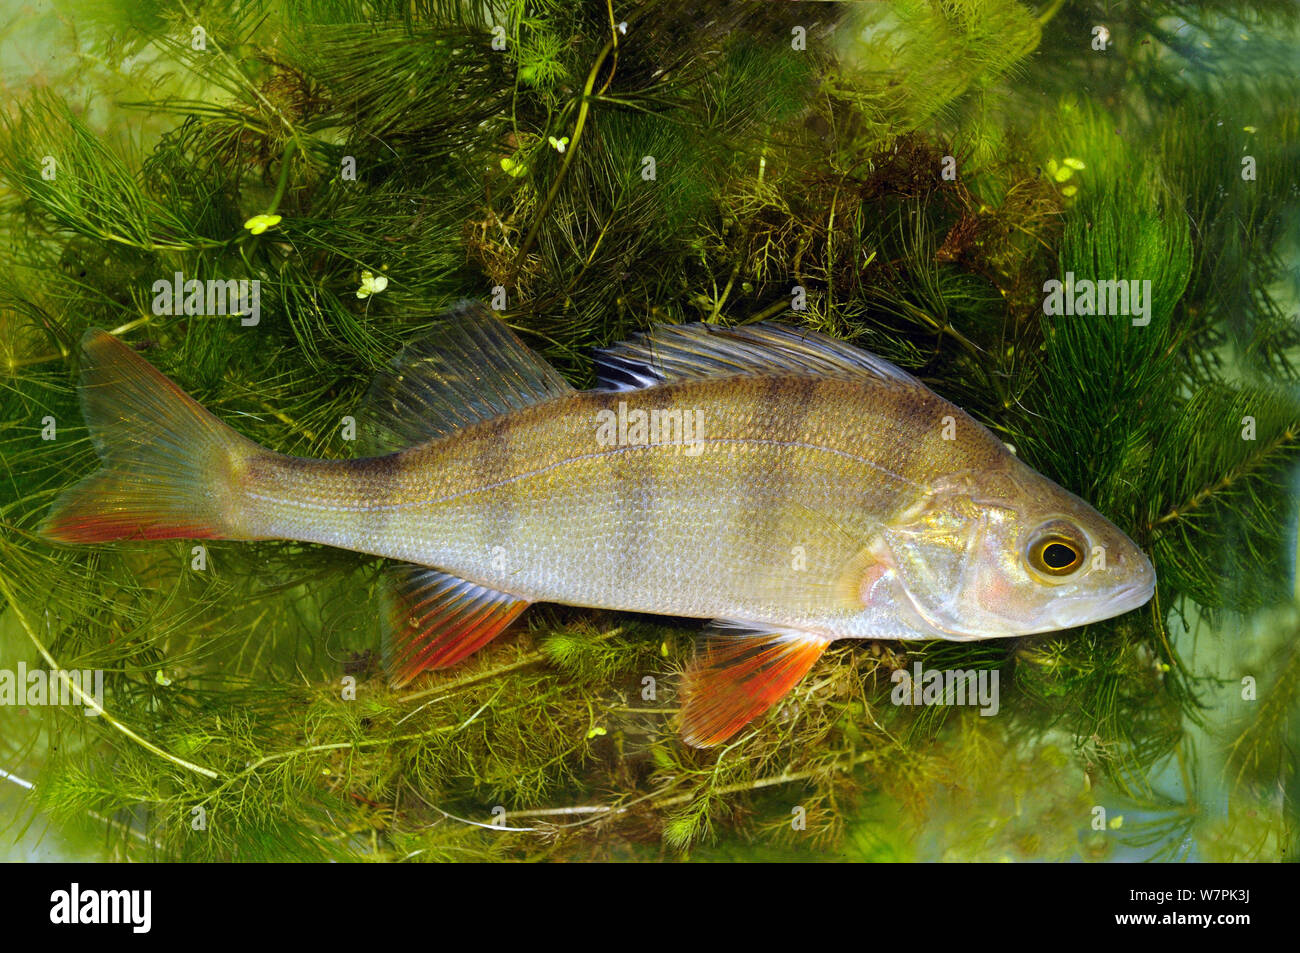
(905, 62)
(226, 691)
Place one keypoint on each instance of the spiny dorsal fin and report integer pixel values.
(675, 352)
(471, 367)
(739, 674)
(435, 620)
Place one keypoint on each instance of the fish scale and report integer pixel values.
(610, 527)
(819, 493)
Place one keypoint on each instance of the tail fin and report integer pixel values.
(170, 468)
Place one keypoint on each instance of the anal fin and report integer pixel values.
(435, 620)
(736, 676)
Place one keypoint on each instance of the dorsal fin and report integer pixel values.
(470, 367)
(675, 352)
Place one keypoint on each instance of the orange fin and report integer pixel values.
(735, 677)
(435, 620)
(170, 469)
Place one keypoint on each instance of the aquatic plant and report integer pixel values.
(891, 176)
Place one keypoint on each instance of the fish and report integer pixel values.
(789, 487)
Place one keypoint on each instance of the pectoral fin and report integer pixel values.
(738, 675)
(435, 620)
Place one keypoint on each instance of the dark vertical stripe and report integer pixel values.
(635, 471)
(781, 406)
(376, 480)
(492, 458)
(915, 449)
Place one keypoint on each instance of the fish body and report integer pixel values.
(791, 487)
(532, 504)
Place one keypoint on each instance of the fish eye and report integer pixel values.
(1055, 554)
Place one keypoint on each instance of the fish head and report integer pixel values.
(1008, 552)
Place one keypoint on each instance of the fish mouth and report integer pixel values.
(1132, 596)
(1137, 593)
(1122, 600)
(1071, 611)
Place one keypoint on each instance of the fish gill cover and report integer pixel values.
(1075, 221)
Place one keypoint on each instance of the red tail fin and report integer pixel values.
(169, 467)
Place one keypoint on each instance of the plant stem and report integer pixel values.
(1050, 12)
(572, 150)
(85, 699)
(785, 777)
(283, 181)
(1243, 468)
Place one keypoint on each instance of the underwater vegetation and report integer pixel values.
(945, 184)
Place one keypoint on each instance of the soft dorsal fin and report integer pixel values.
(739, 674)
(675, 352)
(470, 367)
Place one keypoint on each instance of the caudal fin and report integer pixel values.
(170, 469)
